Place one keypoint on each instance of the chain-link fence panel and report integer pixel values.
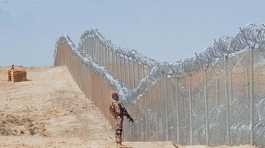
(218, 103)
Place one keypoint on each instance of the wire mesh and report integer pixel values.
(219, 104)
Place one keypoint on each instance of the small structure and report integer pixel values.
(17, 74)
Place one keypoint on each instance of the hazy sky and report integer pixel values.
(162, 29)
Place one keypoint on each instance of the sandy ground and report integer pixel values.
(49, 110)
(50, 104)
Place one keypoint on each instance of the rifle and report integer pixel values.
(125, 112)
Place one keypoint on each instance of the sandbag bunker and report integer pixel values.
(17, 74)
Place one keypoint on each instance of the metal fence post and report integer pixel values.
(138, 72)
(115, 64)
(119, 65)
(228, 138)
(101, 57)
(124, 70)
(90, 45)
(190, 101)
(177, 116)
(134, 74)
(106, 49)
(112, 61)
(145, 111)
(161, 127)
(206, 105)
(105, 55)
(129, 76)
(109, 58)
(166, 105)
(93, 49)
(120, 62)
(252, 101)
(121, 75)
(217, 93)
(129, 73)
(99, 52)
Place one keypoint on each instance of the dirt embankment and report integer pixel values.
(49, 105)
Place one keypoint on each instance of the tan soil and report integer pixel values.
(50, 104)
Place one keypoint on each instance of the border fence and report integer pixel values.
(221, 103)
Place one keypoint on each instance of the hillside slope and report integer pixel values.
(50, 104)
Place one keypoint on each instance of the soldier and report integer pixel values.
(10, 71)
(118, 111)
(12, 67)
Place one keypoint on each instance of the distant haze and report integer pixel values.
(165, 30)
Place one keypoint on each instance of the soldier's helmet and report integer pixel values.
(115, 96)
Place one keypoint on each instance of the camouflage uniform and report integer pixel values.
(118, 112)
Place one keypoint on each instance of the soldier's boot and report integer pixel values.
(119, 139)
(118, 136)
(119, 145)
(125, 146)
